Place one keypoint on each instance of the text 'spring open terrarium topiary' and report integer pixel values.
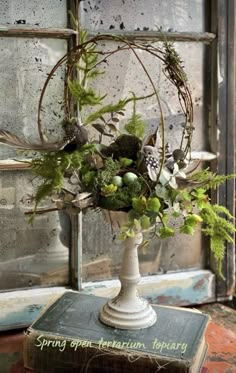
(113, 162)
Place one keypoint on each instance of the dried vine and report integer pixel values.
(172, 68)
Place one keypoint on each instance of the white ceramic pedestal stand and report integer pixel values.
(128, 310)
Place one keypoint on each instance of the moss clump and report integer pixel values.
(122, 198)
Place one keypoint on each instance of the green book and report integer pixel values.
(68, 337)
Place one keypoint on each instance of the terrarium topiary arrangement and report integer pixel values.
(125, 167)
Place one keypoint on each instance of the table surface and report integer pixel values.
(221, 338)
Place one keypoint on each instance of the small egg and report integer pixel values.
(129, 178)
(117, 180)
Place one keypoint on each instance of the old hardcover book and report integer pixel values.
(68, 337)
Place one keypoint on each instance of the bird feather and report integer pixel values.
(7, 138)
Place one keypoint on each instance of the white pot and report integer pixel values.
(127, 310)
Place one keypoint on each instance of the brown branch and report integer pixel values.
(41, 211)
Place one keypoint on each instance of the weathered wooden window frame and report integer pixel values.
(20, 307)
(202, 285)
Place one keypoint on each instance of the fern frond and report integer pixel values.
(84, 96)
(135, 126)
(74, 21)
(212, 180)
(221, 209)
(43, 191)
(217, 247)
(218, 229)
(91, 74)
(104, 110)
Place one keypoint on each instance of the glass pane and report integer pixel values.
(30, 255)
(102, 254)
(124, 74)
(34, 13)
(172, 15)
(24, 65)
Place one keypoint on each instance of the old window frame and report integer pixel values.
(221, 40)
(20, 307)
(222, 117)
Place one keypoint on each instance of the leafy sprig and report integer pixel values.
(135, 126)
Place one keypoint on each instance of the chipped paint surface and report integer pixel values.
(21, 308)
(171, 289)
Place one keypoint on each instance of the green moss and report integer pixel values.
(122, 199)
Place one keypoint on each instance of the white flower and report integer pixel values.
(169, 178)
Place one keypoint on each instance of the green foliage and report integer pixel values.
(219, 229)
(166, 232)
(105, 175)
(135, 126)
(150, 205)
(145, 222)
(125, 162)
(108, 190)
(139, 204)
(87, 70)
(88, 177)
(52, 175)
(209, 179)
(122, 198)
(105, 110)
(173, 60)
(200, 197)
(75, 24)
(88, 64)
(84, 96)
(83, 36)
(153, 204)
(51, 168)
(130, 229)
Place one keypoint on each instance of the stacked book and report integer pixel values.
(68, 337)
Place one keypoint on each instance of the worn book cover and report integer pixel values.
(68, 337)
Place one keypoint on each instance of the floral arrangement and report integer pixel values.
(135, 171)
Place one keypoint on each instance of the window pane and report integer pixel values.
(30, 255)
(102, 255)
(124, 74)
(24, 65)
(34, 13)
(171, 15)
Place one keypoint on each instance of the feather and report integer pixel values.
(152, 173)
(152, 161)
(10, 139)
(153, 140)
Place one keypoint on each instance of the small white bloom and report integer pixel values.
(169, 178)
